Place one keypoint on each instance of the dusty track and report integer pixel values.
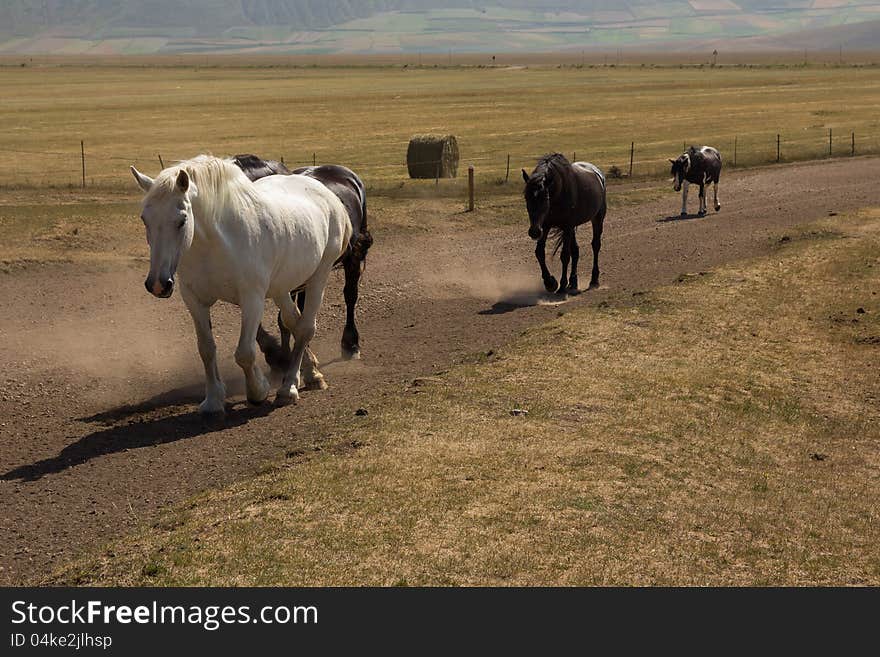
(99, 381)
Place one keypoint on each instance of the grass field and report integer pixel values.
(722, 430)
(364, 117)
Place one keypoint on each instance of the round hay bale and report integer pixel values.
(432, 156)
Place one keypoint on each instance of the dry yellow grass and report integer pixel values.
(364, 117)
(722, 430)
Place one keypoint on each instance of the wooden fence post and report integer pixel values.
(161, 163)
(507, 175)
(82, 152)
(632, 151)
(735, 140)
(471, 188)
(829, 141)
(777, 147)
(853, 151)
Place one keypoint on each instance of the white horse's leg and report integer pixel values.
(684, 197)
(252, 306)
(715, 190)
(215, 391)
(312, 378)
(303, 332)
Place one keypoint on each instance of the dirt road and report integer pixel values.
(98, 429)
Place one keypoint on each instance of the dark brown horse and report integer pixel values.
(346, 184)
(560, 196)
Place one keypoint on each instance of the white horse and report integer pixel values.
(229, 239)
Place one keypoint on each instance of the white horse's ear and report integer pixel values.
(182, 181)
(193, 190)
(144, 182)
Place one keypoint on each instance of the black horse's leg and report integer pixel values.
(702, 211)
(575, 256)
(598, 222)
(285, 336)
(351, 347)
(566, 258)
(550, 283)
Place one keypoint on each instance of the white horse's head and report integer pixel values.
(168, 217)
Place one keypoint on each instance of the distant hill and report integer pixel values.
(854, 37)
(332, 26)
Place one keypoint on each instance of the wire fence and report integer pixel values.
(85, 167)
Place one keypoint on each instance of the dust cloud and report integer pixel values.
(499, 282)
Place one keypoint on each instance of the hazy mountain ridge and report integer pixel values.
(107, 26)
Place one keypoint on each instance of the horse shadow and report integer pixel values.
(188, 394)
(679, 217)
(505, 306)
(135, 435)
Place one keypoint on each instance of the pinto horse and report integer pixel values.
(350, 190)
(226, 238)
(560, 196)
(700, 165)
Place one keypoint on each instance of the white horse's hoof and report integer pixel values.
(316, 384)
(286, 397)
(258, 396)
(256, 400)
(212, 407)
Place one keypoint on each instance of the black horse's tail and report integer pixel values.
(364, 239)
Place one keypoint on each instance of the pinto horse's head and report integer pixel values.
(680, 167)
(168, 218)
(537, 195)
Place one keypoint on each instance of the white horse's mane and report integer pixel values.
(222, 187)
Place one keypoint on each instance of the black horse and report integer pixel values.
(700, 165)
(350, 189)
(560, 196)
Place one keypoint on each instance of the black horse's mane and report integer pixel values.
(552, 164)
(555, 167)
